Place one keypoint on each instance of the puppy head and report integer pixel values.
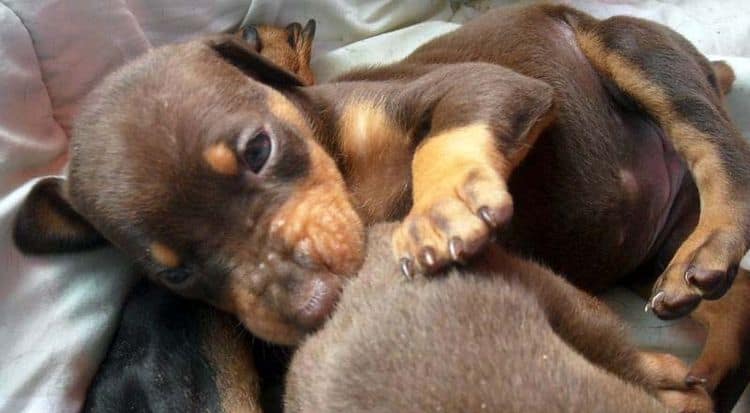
(193, 162)
(289, 47)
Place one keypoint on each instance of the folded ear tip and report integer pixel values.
(47, 223)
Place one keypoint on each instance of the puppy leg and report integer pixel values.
(722, 366)
(677, 86)
(479, 130)
(589, 326)
(668, 372)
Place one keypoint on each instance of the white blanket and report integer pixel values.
(58, 313)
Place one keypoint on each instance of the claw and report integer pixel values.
(690, 275)
(657, 299)
(487, 216)
(691, 381)
(407, 268)
(456, 248)
(428, 257)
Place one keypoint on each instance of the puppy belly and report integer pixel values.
(651, 178)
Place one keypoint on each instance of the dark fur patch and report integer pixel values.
(294, 162)
(155, 362)
(46, 223)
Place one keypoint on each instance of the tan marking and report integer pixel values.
(444, 162)
(164, 255)
(221, 159)
(284, 109)
(236, 378)
(319, 213)
(727, 323)
(319, 221)
(259, 318)
(369, 138)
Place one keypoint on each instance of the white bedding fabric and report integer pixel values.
(57, 313)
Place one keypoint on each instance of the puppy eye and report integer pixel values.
(174, 276)
(257, 151)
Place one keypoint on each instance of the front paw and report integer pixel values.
(452, 221)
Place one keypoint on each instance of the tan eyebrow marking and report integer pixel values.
(164, 255)
(221, 159)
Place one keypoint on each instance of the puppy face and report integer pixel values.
(190, 162)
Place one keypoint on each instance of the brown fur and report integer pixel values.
(169, 186)
(509, 336)
(235, 375)
(581, 149)
(582, 200)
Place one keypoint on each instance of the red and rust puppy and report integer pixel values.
(506, 335)
(289, 47)
(211, 181)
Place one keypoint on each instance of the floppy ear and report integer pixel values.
(243, 56)
(48, 224)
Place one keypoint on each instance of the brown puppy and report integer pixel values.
(173, 355)
(289, 47)
(223, 196)
(620, 171)
(591, 154)
(510, 336)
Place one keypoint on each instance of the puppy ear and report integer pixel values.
(234, 50)
(306, 39)
(724, 76)
(48, 224)
(251, 37)
(293, 31)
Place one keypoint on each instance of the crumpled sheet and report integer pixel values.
(57, 313)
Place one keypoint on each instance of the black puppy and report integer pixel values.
(174, 355)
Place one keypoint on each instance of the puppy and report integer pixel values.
(170, 354)
(610, 134)
(510, 336)
(214, 199)
(289, 47)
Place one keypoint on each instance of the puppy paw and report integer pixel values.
(704, 267)
(452, 221)
(665, 374)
